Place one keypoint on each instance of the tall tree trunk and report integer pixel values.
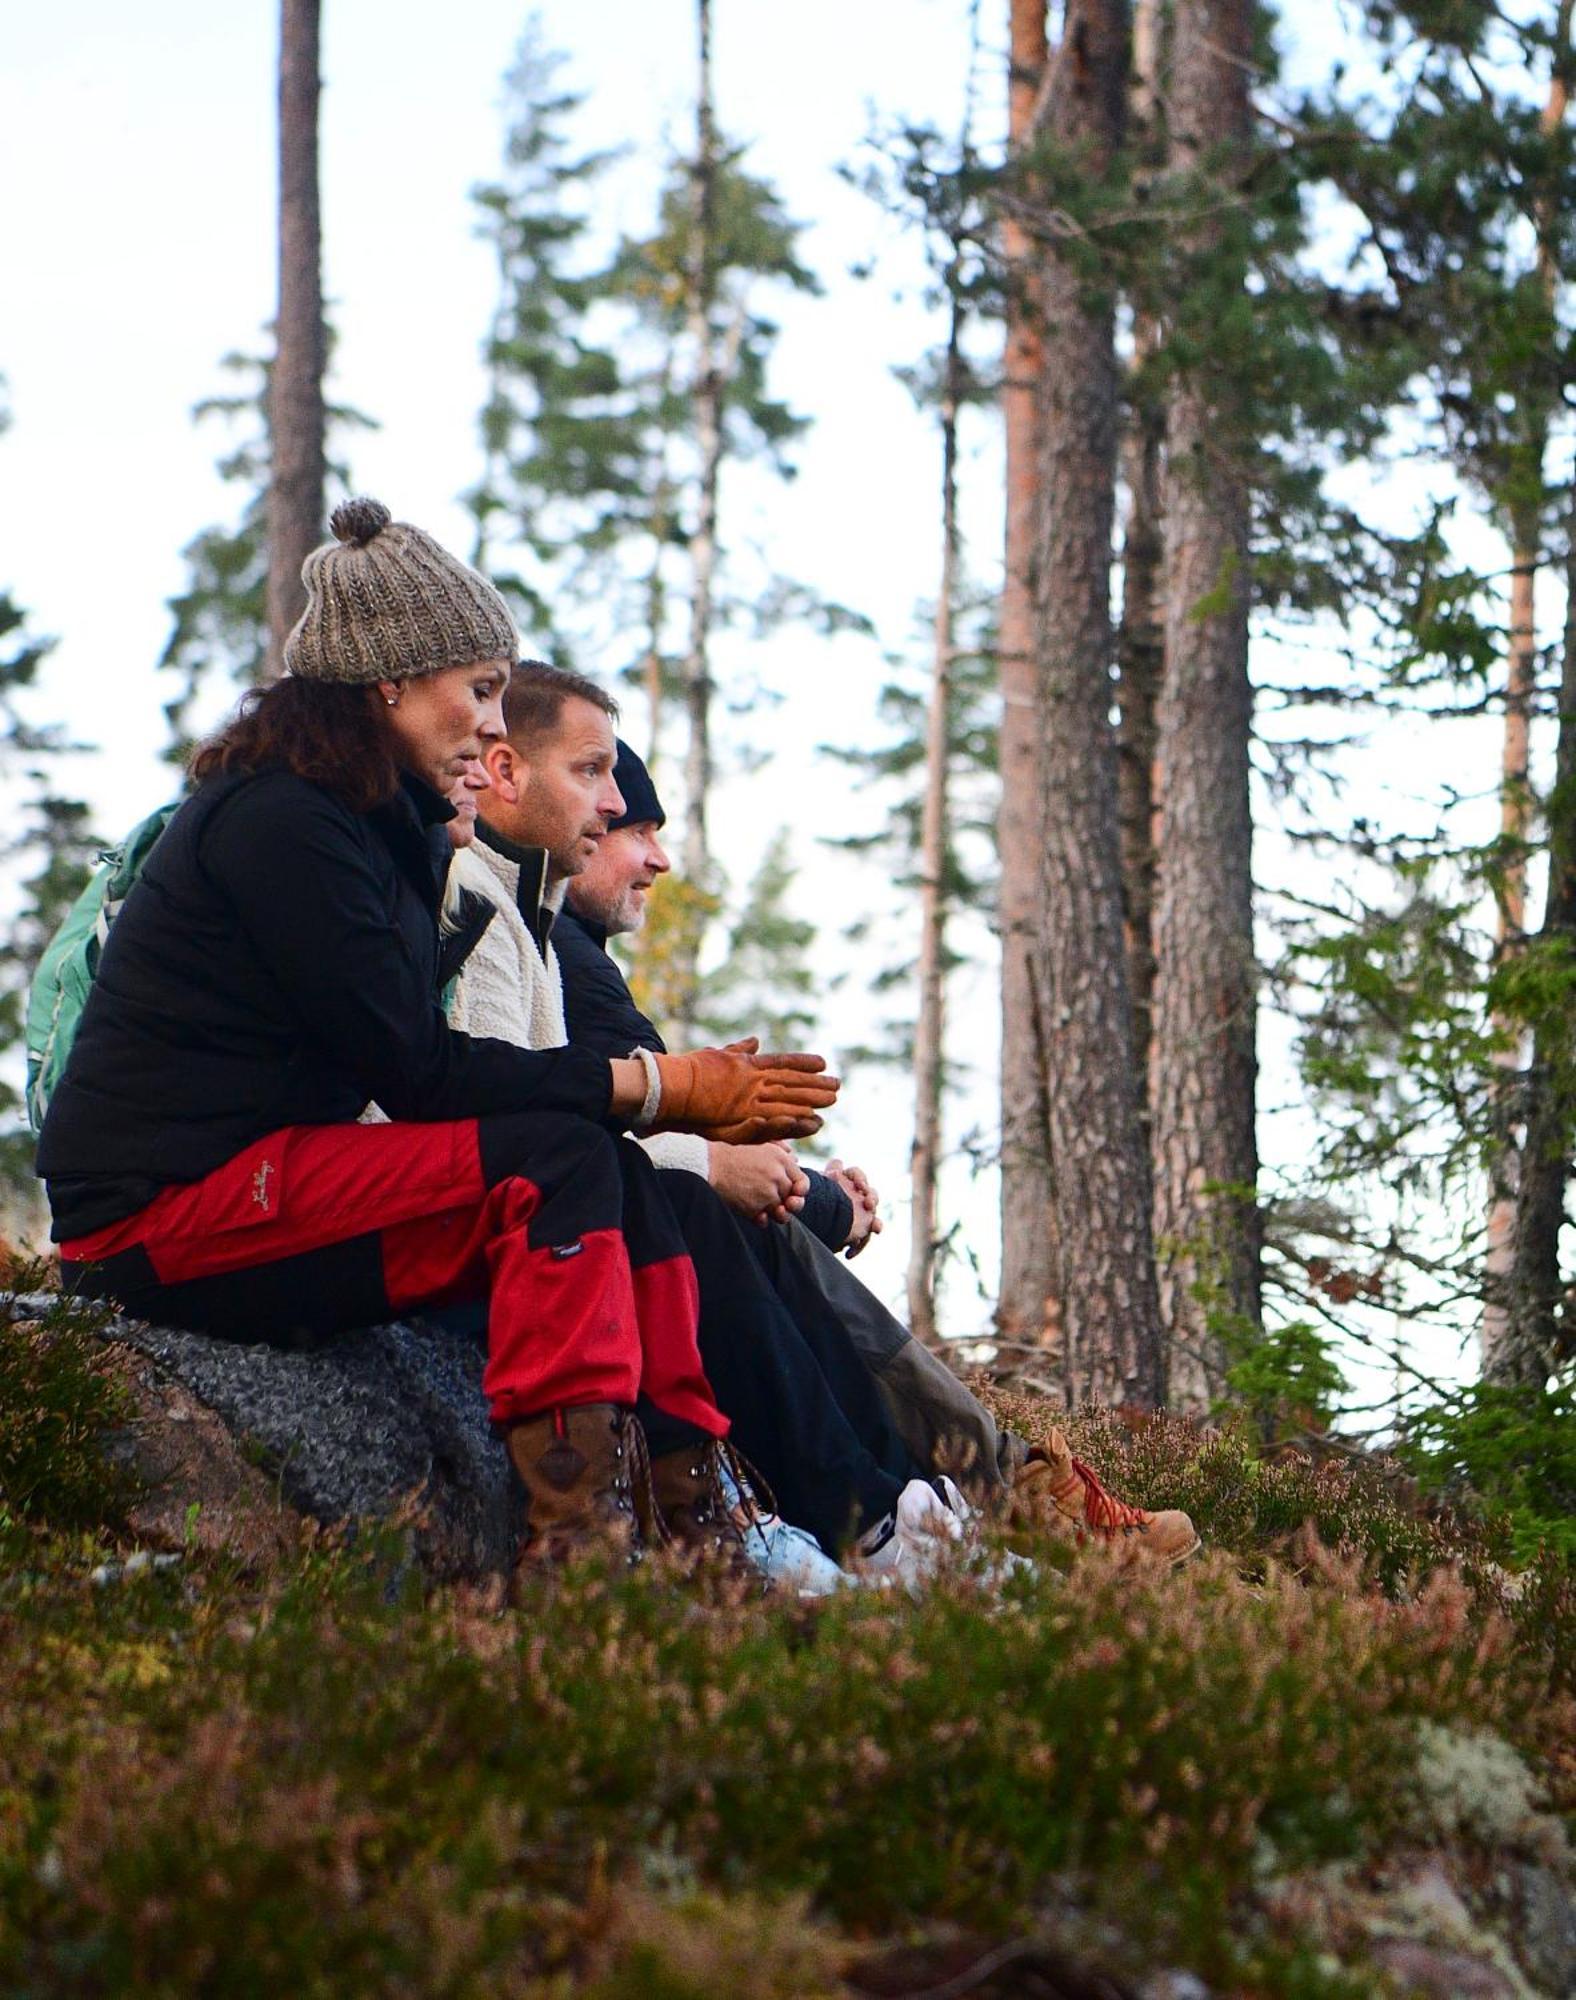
(1140, 638)
(1535, 1334)
(929, 1031)
(295, 402)
(653, 665)
(708, 390)
(1524, 1332)
(706, 397)
(1515, 814)
(1099, 1166)
(1029, 1308)
(1204, 1067)
(1140, 659)
(1502, 1257)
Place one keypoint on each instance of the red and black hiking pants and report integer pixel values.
(319, 1228)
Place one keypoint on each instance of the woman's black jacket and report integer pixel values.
(275, 964)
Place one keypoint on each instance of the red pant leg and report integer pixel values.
(667, 1306)
(564, 1323)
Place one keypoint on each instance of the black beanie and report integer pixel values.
(642, 807)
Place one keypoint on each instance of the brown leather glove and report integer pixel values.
(743, 1098)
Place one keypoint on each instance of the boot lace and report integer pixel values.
(756, 1498)
(1102, 1509)
(638, 1484)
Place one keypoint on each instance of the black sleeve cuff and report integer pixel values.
(827, 1212)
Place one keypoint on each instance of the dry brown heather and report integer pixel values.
(1338, 1744)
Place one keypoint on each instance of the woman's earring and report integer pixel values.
(392, 700)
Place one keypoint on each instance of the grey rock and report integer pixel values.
(1545, 1932)
(385, 1424)
(1433, 1972)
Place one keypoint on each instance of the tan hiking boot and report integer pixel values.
(575, 1464)
(701, 1519)
(1053, 1487)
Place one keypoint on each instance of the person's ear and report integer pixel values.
(505, 771)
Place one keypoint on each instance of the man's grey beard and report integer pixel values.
(617, 919)
(633, 913)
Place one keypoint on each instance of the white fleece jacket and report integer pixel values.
(509, 989)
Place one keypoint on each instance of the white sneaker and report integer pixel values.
(927, 1530)
(917, 1538)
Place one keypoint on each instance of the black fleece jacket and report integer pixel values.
(600, 1013)
(276, 964)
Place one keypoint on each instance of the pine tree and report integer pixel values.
(1140, 637)
(1078, 976)
(1029, 1306)
(297, 416)
(1538, 1335)
(1203, 1062)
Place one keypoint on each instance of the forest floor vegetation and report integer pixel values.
(1335, 1755)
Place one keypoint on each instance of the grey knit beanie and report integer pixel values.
(385, 602)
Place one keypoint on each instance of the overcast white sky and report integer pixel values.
(137, 151)
(137, 242)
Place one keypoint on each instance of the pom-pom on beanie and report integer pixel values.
(384, 602)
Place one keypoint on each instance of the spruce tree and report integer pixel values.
(942, 189)
(567, 477)
(617, 403)
(49, 852)
(219, 632)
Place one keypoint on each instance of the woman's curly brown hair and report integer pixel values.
(332, 734)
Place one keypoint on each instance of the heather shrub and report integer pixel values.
(1253, 1504)
(59, 1406)
(325, 1791)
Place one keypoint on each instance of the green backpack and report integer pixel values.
(71, 959)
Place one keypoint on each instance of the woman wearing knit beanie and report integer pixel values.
(274, 970)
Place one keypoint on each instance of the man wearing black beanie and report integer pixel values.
(945, 1426)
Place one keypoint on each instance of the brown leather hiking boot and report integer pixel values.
(702, 1523)
(575, 1464)
(1052, 1488)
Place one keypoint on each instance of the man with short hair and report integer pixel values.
(945, 1427)
(801, 1405)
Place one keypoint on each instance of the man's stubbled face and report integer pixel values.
(611, 888)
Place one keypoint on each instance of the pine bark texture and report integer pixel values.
(1140, 659)
(1517, 1326)
(708, 443)
(1029, 1308)
(1535, 1335)
(296, 419)
(1140, 638)
(1203, 1065)
(930, 1027)
(1099, 1168)
(1501, 1253)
